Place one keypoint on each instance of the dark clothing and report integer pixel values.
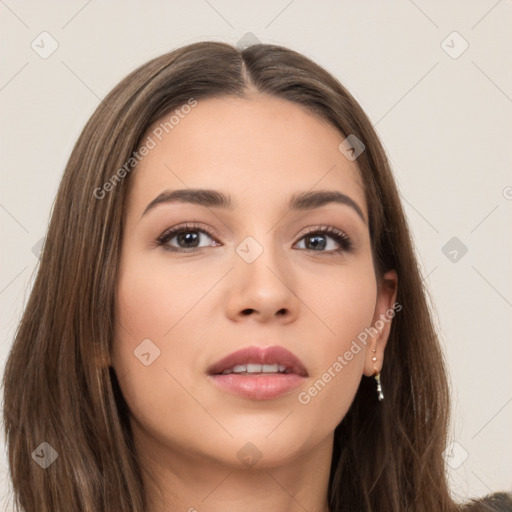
(497, 502)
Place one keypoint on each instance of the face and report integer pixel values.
(290, 285)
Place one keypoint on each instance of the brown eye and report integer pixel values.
(185, 239)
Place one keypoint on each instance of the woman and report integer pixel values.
(228, 314)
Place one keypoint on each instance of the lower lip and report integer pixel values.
(260, 386)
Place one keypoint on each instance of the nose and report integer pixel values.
(262, 290)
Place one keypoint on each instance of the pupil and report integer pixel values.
(188, 237)
(316, 243)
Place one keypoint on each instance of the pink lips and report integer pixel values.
(259, 386)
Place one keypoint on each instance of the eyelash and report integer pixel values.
(339, 236)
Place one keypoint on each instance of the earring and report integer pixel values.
(380, 394)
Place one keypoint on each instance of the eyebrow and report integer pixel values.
(215, 199)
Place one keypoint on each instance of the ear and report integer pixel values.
(385, 310)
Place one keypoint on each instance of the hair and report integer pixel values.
(58, 386)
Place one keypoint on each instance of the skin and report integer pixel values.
(191, 305)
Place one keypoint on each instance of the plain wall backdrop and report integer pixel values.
(435, 79)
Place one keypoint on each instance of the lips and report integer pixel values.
(258, 373)
(260, 359)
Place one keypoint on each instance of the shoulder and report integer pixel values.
(497, 502)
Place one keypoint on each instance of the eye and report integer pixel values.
(188, 238)
(185, 238)
(317, 239)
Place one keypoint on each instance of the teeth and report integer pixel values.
(255, 368)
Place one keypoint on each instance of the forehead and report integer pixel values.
(261, 148)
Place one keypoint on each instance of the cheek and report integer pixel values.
(151, 308)
(151, 300)
(345, 302)
(149, 360)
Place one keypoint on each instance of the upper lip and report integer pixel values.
(260, 355)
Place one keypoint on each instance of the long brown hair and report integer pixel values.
(58, 387)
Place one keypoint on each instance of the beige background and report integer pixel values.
(443, 115)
